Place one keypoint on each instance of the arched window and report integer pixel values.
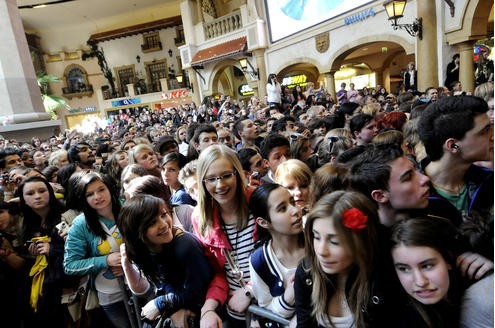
(76, 81)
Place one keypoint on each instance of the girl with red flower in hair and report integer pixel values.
(337, 284)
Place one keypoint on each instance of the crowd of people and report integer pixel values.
(367, 210)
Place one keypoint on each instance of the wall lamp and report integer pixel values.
(244, 65)
(179, 78)
(138, 59)
(170, 52)
(395, 10)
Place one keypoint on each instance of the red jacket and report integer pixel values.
(214, 245)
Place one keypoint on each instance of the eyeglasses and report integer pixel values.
(214, 180)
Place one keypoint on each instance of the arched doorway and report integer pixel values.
(371, 64)
(229, 79)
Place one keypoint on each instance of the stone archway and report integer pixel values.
(226, 77)
(386, 57)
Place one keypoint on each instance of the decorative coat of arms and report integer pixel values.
(322, 42)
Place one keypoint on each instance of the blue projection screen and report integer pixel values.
(286, 17)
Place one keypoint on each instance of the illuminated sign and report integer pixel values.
(175, 94)
(245, 90)
(359, 16)
(125, 102)
(292, 81)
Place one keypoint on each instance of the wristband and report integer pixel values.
(206, 313)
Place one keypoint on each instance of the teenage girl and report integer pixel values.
(423, 251)
(227, 230)
(274, 264)
(336, 285)
(93, 245)
(173, 260)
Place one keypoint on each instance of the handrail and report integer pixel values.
(262, 312)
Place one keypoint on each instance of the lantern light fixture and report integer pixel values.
(244, 62)
(395, 11)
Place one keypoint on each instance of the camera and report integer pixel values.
(63, 227)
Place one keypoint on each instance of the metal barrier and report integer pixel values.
(262, 312)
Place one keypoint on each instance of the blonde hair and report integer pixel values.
(371, 109)
(389, 137)
(484, 91)
(413, 141)
(139, 148)
(295, 169)
(206, 204)
(55, 157)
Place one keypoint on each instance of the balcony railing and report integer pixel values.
(223, 25)
(86, 91)
(149, 47)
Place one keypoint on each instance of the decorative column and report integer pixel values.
(426, 54)
(378, 76)
(164, 84)
(193, 80)
(130, 90)
(466, 67)
(259, 54)
(330, 83)
(20, 97)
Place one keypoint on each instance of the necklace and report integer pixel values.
(456, 191)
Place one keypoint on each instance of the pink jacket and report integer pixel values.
(214, 245)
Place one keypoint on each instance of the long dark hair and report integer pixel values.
(32, 221)
(441, 235)
(136, 216)
(362, 247)
(92, 217)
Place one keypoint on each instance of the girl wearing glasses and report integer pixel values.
(224, 225)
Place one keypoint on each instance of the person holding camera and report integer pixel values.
(273, 91)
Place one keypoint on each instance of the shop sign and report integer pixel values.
(245, 90)
(126, 102)
(359, 16)
(82, 109)
(292, 81)
(175, 94)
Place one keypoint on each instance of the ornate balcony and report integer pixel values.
(223, 25)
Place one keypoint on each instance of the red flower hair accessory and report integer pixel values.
(354, 219)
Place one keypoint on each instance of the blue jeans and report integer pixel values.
(117, 314)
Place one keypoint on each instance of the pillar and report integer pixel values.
(130, 90)
(259, 55)
(330, 83)
(193, 80)
(164, 84)
(379, 76)
(20, 97)
(466, 67)
(426, 53)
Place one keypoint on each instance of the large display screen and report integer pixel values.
(286, 17)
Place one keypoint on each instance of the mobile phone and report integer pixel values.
(29, 242)
(255, 175)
